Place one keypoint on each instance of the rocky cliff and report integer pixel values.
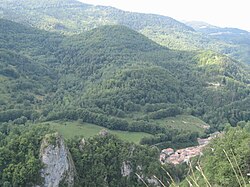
(58, 164)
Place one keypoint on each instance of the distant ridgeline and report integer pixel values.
(77, 17)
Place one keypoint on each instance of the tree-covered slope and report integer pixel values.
(76, 17)
(121, 78)
(25, 76)
(115, 77)
(112, 162)
(87, 16)
(20, 164)
(23, 80)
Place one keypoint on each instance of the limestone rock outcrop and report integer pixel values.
(58, 164)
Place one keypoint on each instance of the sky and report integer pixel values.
(223, 13)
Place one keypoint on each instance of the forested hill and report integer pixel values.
(115, 77)
(114, 39)
(71, 16)
(77, 17)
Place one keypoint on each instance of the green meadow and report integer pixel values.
(70, 129)
(183, 122)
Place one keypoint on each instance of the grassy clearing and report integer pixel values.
(70, 129)
(184, 122)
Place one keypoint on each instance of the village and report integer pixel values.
(183, 155)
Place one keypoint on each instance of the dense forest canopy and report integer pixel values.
(115, 71)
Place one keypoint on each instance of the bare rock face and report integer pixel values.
(126, 169)
(58, 164)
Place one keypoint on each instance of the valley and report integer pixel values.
(99, 92)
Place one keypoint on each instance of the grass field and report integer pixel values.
(184, 122)
(70, 129)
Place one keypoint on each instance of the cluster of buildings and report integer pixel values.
(183, 155)
(180, 155)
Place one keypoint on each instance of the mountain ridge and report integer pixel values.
(110, 11)
(76, 17)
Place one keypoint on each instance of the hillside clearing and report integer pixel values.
(70, 129)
